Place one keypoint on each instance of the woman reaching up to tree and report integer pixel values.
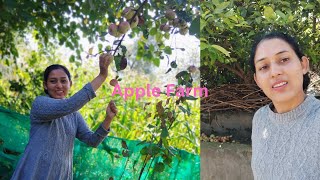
(56, 122)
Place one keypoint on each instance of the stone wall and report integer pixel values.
(237, 124)
(228, 161)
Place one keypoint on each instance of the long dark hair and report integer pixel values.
(288, 39)
(51, 68)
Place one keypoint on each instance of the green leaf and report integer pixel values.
(167, 161)
(221, 7)
(281, 14)
(184, 110)
(108, 48)
(164, 132)
(215, 2)
(191, 98)
(168, 50)
(156, 61)
(151, 47)
(182, 73)
(72, 58)
(117, 60)
(309, 6)
(165, 142)
(150, 126)
(159, 167)
(123, 49)
(221, 49)
(159, 37)
(153, 150)
(204, 46)
(203, 24)
(290, 18)
(139, 54)
(167, 35)
(269, 13)
(100, 47)
(153, 31)
(144, 151)
(258, 20)
(194, 27)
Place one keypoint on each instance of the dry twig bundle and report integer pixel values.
(244, 97)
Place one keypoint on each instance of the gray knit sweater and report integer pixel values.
(287, 146)
(55, 123)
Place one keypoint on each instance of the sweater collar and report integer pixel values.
(297, 113)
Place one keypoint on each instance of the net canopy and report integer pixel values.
(106, 161)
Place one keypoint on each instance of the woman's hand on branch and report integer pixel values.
(111, 113)
(105, 60)
(111, 110)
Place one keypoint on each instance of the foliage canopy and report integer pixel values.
(228, 29)
(65, 20)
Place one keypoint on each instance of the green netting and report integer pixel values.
(93, 163)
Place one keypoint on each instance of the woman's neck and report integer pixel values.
(283, 107)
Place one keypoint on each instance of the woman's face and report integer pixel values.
(279, 71)
(58, 84)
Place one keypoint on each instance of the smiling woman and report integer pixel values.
(57, 81)
(276, 64)
(56, 122)
(285, 133)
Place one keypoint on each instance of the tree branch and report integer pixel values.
(237, 70)
(131, 20)
(135, 14)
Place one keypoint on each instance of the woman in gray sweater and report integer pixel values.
(285, 133)
(56, 122)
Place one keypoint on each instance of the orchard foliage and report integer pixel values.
(62, 20)
(162, 123)
(228, 29)
(19, 88)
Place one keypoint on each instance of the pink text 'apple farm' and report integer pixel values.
(171, 89)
